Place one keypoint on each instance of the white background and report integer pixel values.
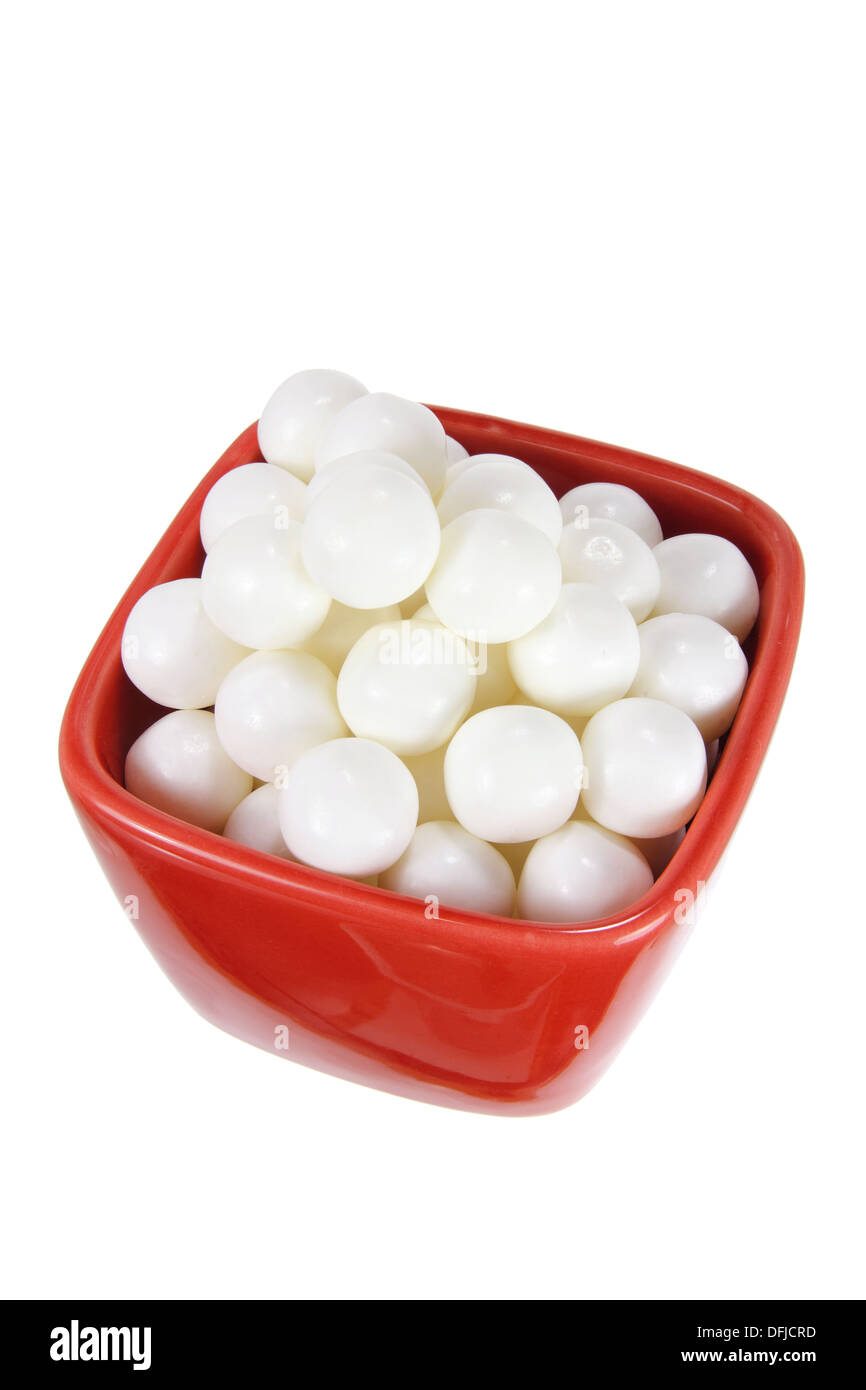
(640, 222)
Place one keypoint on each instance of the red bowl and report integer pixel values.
(471, 1011)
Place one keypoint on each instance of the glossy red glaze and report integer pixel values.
(475, 1012)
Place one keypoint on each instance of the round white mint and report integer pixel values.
(255, 586)
(255, 822)
(298, 413)
(614, 557)
(612, 502)
(646, 768)
(179, 766)
(274, 706)
(172, 651)
(382, 421)
(707, 575)
(582, 656)
(254, 489)
(407, 684)
(349, 806)
(497, 576)
(445, 863)
(693, 663)
(371, 538)
(580, 874)
(513, 773)
(506, 484)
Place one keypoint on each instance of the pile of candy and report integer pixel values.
(418, 668)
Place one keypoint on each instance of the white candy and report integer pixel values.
(513, 773)
(646, 768)
(337, 468)
(407, 684)
(582, 656)
(255, 822)
(349, 806)
(171, 650)
(371, 537)
(256, 589)
(507, 484)
(180, 766)
(445, 864)
(254, 489)
(428, 769)
(298, 413)
(342, 628)
(708, 575)
(613, 502)
(274, 706)
(455, 453)
(614, 557)
(497, 576)
(693, 663)
(494, 683)
(382, 421)
(581, 873)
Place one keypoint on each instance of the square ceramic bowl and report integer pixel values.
(470, 1011)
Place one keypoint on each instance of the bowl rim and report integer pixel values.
(94, 789)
